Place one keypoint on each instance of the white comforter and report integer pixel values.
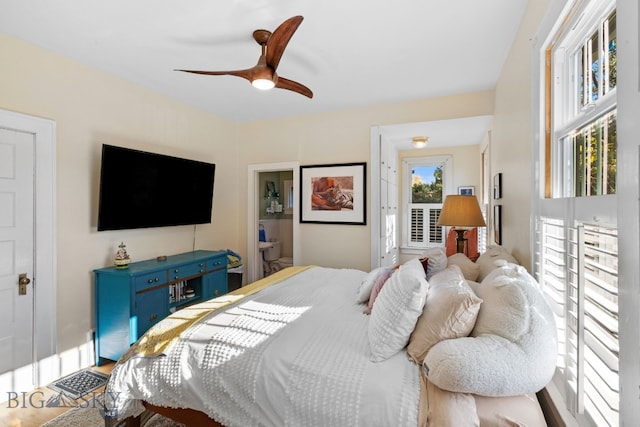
(294, 354)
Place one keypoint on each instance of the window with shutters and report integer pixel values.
(425, 183)
(577, 254)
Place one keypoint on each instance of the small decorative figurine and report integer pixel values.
(122, 259)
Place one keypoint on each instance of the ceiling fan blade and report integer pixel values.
(294, 86)
(279, 40)
(245, 74)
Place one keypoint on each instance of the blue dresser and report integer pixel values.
(129, 301)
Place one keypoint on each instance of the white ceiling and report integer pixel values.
(350, 53)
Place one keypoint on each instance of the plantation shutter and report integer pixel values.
(423, 231)
(580, 281)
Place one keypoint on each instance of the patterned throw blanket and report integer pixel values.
(160, 336)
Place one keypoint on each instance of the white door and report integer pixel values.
(16, 258)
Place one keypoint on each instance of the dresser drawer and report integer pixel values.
(187, 270)
(217, 263)
(150, 280)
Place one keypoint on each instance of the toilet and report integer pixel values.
(272, 256)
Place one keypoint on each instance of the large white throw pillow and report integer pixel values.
(396, 311)
(513, 347)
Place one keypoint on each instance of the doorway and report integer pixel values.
(259, 200)
(28, 150)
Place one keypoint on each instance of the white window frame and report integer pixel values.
(572, 212)
(408, 164)
(568, 114)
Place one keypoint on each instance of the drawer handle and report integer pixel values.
(202, 270)
(153, 317)
(201, 264)
(176, 277)
(176, 270)
(153, 280)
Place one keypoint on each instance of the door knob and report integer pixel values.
(23, 281)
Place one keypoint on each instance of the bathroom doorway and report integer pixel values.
(273, 217)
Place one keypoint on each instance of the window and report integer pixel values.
(576, 255)
(425, 183)
(583, 109)
(590, 156)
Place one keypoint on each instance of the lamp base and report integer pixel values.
(460, 239)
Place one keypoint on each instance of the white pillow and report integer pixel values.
(396, 311)
(470, 270)
(415, 265)
(364, 290)
(512, 349)
(437, 260)
(492, 258)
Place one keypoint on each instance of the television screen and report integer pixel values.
(140, 189)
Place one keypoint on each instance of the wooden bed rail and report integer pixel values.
(189, 417)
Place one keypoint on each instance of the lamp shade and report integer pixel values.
(461, 211)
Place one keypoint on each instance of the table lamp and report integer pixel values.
(462, 213)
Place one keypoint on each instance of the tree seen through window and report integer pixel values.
(426, 184)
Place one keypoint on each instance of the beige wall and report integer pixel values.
(511, 150)
(340, 137)
(91, 108)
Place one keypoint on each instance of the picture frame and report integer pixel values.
(467, 190)
(497, 224)
(497, 186)
(333, 193)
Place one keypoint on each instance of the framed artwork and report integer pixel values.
(333, 194)
(497, 186)
(497, 224)
(468, 190)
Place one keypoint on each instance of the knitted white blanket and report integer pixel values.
(294, 354)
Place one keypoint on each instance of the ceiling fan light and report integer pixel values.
(263, 84)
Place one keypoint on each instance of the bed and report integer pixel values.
(292, 349)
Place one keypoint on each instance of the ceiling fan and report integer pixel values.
(263, 75)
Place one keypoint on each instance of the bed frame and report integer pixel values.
(189, 417)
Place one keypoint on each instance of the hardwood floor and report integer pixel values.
(30, 410)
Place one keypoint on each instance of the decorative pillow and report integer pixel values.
(437, 260)
(364, 290)
(449, 312)
(416, 265)
(396, 311)
(377, 287)
(470, 270)
(495, 256)
(513, 347)
(446, 409)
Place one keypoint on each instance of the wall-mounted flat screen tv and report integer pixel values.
(139, 189)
